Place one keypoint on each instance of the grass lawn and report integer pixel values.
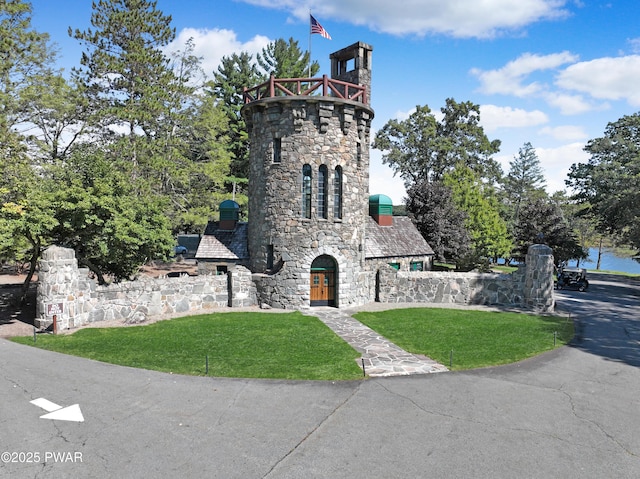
(249, 345)
(295, 346)
(477, 338)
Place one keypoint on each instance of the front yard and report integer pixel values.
(296, 346)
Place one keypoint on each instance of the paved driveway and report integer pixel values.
(572, 413)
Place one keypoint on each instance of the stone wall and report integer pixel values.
(68, 292)
(530, 287)
(449, 287)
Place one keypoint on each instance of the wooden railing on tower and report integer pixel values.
(325, 86)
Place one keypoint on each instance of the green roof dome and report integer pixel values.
(229, 210)
(380, 205)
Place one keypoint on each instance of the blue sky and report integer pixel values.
(549, 72)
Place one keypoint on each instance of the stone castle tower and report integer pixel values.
(309, 182)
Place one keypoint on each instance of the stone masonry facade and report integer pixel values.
(76, 299)
(530, 287)
(320, 134)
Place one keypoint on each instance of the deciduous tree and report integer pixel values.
(488, 231)
(610, 181)
(423, 148)
(439, 220)
(542, 221)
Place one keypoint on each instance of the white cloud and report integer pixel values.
(382, 181)
(459, 18)
(213, 44)
(605, 78)
(493, 117)
(635, 44)
(404, 115)
(569, 104)
(565, 133)
(510, 79)
(574, 88)
(557, 161)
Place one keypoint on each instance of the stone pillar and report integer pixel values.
(58, 284)
(242, 290)
(538, 283)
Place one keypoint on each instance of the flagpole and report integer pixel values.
(309, 43)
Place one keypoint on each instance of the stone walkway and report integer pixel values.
(380, 356)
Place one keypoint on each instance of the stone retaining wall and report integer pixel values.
(530, 287)
(450, 287)
(68, 292)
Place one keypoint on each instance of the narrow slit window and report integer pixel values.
(306, 191)
(337, 193)
(277, 150)
(322, 191)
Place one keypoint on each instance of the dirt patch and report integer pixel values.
(155, 270)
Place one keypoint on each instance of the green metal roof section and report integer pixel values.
(229, 210)
(380, 205)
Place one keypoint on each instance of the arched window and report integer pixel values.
(322, 191)
(337, 193)
(306, 191)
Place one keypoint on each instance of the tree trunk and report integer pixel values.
(94, 269)
(33, 263)
(599, 254)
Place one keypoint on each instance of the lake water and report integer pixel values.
(609, 262)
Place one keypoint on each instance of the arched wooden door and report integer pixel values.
(323, 281)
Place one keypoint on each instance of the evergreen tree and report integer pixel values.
(524, 181)
(542, 221)
(209, 178)
(129, 81)
(286, 60)
(23, 53)
(234, 73)
(151, 101)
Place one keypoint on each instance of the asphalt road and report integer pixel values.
(571, 413)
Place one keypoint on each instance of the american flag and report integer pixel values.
(317, 28)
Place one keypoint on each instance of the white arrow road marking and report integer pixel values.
(70, 413)
(46, 404)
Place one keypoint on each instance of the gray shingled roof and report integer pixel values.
(400, 239)
(221, 244)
